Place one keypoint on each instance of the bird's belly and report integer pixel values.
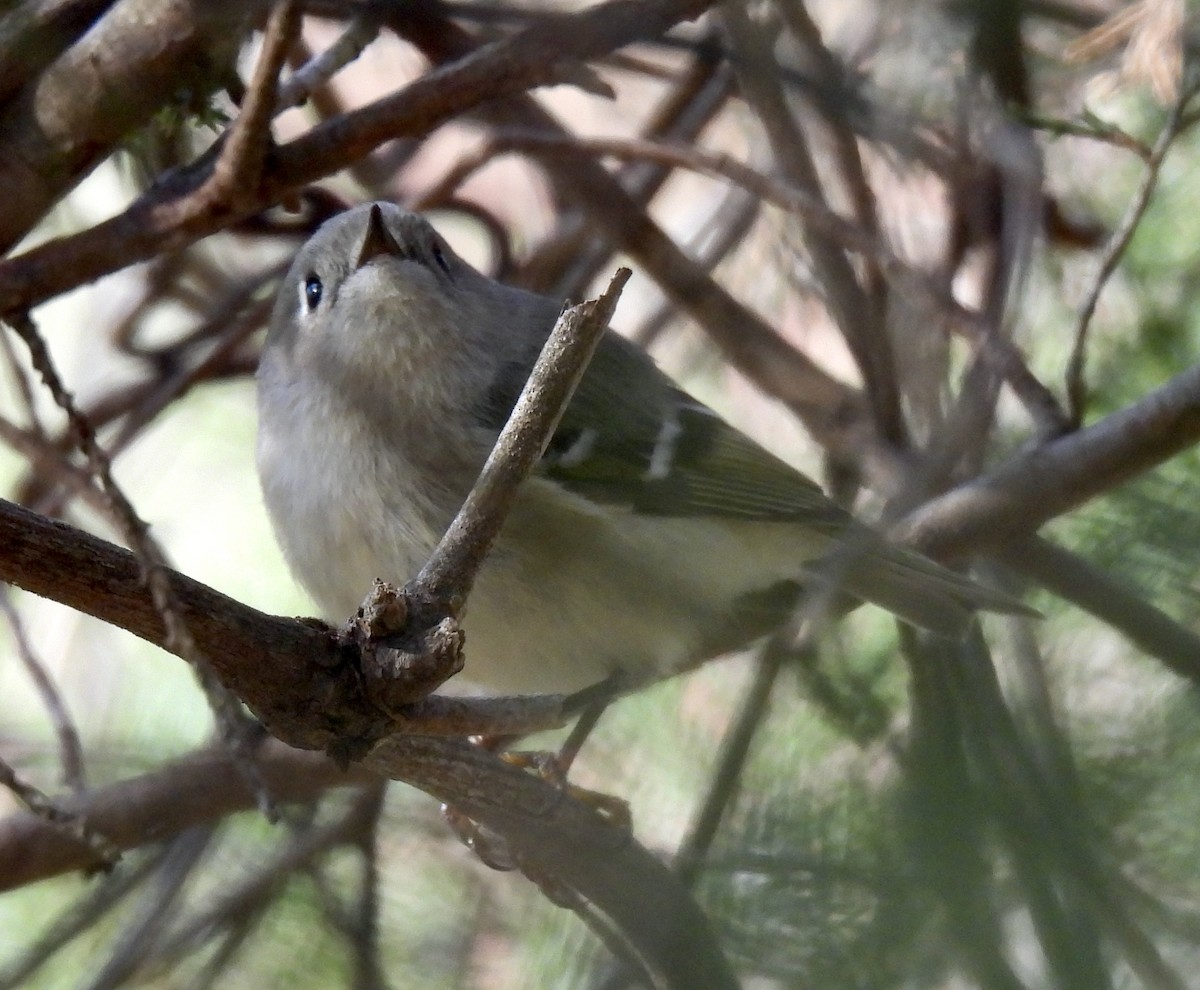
(570, 594)
(573, 593)
(341, 524)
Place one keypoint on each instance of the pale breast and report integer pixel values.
(574, 592)
(344, 513)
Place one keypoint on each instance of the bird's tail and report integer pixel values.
(918, 590)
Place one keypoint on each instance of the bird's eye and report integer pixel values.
(440, 258)
(312, 292)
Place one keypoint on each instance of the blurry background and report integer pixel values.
(1020, 812)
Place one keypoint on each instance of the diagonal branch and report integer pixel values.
(1076, 382)
(238, 171)
(171, 215)
(1030, 489)
(451, 570)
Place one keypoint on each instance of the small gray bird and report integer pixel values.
(652, 536)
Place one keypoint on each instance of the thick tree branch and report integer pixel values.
(33, 34)
(112, 81)
(293, 675)
(200, 788)
(291, 667)
(579, 848)
(1028, 490)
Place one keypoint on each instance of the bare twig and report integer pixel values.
(84, 913)
(171, 215)
(1090, 126)
(59, 818)
(254, 892)
(21, 383)
(735, 751)
(360, 32)
(732, 220)
(198, 788)
(858, 320)
(52, 465)
(238, 170)
(566, 263)
(1097, 592)
(128, 950)
(1076, 381)
(999, 352)
(834, 90)
(69, 749)
(236, 729)
(410, 642)
(450, 572)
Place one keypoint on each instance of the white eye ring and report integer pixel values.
(310, 292)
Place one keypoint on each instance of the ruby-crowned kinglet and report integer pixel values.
(652, 536)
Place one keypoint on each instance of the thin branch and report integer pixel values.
(731, 222)
(317, 71)
(1076, 382)
(410, 641)
(1031, 488)
(1097, 592)
(52, 465)
(236, 729)
(253, 893)
(238, 170)
(70, 750)
(23, 387)
(859, 322)
(200, 788)
(834, 89)
(569, 261)
(1089, 126)
(735, 751)
(135, 940)
(59, 817)
(364, 920)
(450, 572)
(276, 665)
(171, 216)
(81, 915)
(999, 352)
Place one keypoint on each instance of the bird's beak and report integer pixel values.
(377, 240)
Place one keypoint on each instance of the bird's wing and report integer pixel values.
(630, 437)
